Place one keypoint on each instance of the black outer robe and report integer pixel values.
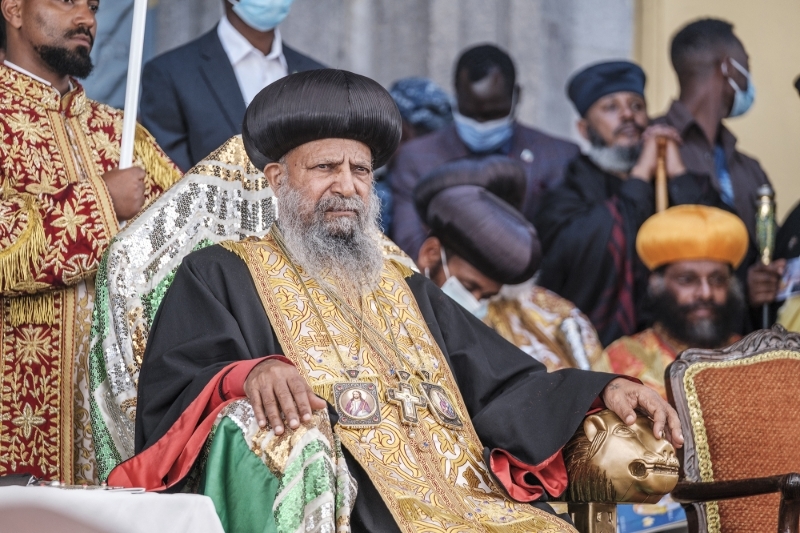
(574, 224)
(212, 316)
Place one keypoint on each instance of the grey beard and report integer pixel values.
(615, 159)
(344, 248)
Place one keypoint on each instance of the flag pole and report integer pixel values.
(133, 83)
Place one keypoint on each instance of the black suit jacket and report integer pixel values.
(191, 101)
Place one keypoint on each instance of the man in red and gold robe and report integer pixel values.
(693, 295)
(62, 199)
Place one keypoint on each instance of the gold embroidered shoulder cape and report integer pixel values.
(547, 327)
(56, 220)
(431, 477)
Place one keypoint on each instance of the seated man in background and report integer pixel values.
(300, 320)
(588, 224)
(424, 108)
(479, 242)
(692, 252)
(484, 123)
(713, 71)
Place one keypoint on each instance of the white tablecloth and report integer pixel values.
(45, 509)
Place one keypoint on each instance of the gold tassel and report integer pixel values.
(324, 391)
(15, 261)
(32, 309)
(402, 269)
(155, 164)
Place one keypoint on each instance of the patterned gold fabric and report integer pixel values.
(644, 356)
(432, 478)
(647, 355)
(56, 219)
(547, 327)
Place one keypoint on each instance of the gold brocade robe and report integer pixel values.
(56, 220)
(431, 477)
(547, 327)
(647, 355)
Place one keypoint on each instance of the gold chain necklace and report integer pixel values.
(357, 402)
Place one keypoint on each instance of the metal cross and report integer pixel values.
(403, 396)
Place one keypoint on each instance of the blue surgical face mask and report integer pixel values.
(455, 290)
(484, 136)
(262, 15)
(742, 99)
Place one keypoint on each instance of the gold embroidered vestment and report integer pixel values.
(547, 327)
(431, 477)
(56, 220)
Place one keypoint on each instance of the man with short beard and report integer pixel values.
(693, 294)
(587, 225)
(260, 344)
(62, 199)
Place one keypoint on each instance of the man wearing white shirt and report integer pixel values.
(194, 97)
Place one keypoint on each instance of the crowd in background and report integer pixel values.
(535, 237)
(561, 250)
(579, 213)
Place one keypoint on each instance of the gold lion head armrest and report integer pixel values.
(608, 461)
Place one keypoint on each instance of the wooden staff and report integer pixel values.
(662, 196)
(132, 87)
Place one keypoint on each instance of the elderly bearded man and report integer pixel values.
(588, 224)
(312, 313)
(693, 294)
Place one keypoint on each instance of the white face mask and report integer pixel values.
(455, 290)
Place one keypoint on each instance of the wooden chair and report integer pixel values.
(740, 415)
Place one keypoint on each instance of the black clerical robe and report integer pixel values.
(212, 316)
(588, 228)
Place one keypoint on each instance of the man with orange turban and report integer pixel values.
(693, 296)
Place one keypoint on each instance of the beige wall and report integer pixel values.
(770, 131)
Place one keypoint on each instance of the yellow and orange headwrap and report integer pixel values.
(689, 233)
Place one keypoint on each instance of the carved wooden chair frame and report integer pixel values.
(692, 489)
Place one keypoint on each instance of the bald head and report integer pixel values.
(701, 46)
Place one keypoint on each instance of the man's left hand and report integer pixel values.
(625, 397)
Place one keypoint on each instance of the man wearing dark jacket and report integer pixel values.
(588, 224)
(194, 97)
(483, 124)
(715, 84)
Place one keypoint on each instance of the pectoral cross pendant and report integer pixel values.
(408, 402)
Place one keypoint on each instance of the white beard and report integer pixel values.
(344, 248)
(614, 159)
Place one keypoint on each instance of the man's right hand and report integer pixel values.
(645, 167)
(764, 281)
(126, 188)
(274, 388)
